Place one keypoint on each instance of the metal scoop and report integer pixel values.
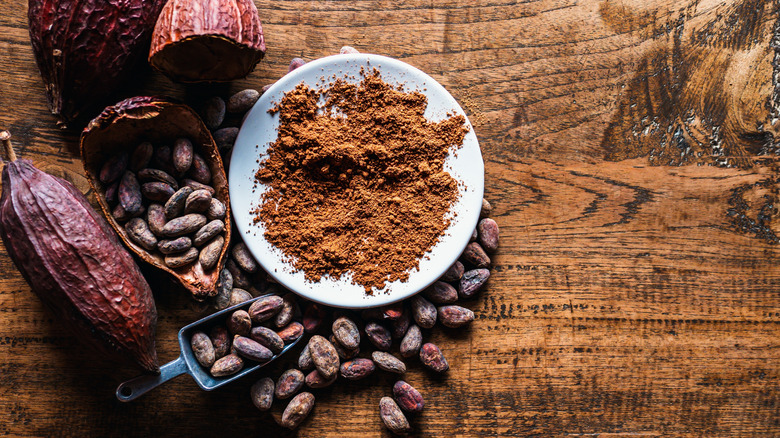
(186, 362)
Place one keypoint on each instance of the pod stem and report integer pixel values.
(5, 137)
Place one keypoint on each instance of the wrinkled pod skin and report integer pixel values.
(86, 48)
(74, 263)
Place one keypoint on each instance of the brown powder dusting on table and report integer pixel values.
(359, 187)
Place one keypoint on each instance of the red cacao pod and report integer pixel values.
(85, 48)
(122, 127)
(73, 261)
(200, 41)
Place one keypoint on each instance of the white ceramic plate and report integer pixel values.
(259, 130)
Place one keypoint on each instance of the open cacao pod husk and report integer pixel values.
(207, 41)
(122, 127)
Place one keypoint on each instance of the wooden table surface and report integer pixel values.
(631, 158)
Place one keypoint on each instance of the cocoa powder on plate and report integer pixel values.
(357, 185)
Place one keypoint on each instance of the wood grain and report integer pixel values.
(631, 156)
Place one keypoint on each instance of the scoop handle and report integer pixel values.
(134, 388)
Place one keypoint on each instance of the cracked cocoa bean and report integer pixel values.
(183, 259)
(238, 323)
(243, 258)
(388, 362)
(455, 316)
(379, 336)
(139, 232)
(130, 194)
(315, 380)
(203, 349)
(290, 333)
(267, 338)
(454, 272)
(182, 155)
(357, 369)
(156, 175)
(472, 281)
(475, 255)
(220, 339)
(265, 308)
(432, 358)
(198, 202)
(392, 417)
(184, 225)
(392, 311)
(297, 410)
(288, 384)
(423, 312)
(346, 333)
(324, 356)
(262, 393)
(411, 342)
(227, 365)
(209, 255)
(142, 155)
(487, 229)
(408, 398)
(251, 350)
(113, 168)
(174, 246)
(441, 293)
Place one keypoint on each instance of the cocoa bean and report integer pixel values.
(488, 234)
(441, 293)
(240, 278)
(315, 380)
(227, 365)
(209, 255)
(287, 311)
(199, 170)
(392, 311)
(251, 350)
(474, 236)
(392, 417)
(182, 155)
(293, 331)
(113, 168)
(346, 333)
(111, 190)
(202, 349)
(142, 155)
(197, 186)
(398, 327)
(265, 308)
(163, 159)
(198, 202)
(216, 210)
(289, 383)
(295, 63)
(455, 316)
(184, 259)
(347, 50)
(357, 369)
(239, 323)
(297, 410)
(242, 101)
(220, 339)
(155, 217)
(174, 246)
(213, 112)
(379, 335)
(312, 317)
(411, 342)
(343, 352)
(119, 213)
(388, 362)
(157, 191)
(486, 209)
(454, 272)
(262, 393)
(225, 138)
(324, 356)
(243, 258)
(432, 358)
(472, 281)
(423, 312)
(156, 175)
(267, 338)
(130, 194)
(139, 232)
(224, 289)
(208, 231)
(475, 255)
(408, 398)
(238, 296)
(184, 225)
(304, 359)
(266, 87)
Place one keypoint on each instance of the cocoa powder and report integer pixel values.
(357, 184)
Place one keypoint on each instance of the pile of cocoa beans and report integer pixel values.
(163, 197)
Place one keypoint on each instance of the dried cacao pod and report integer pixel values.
(135, 120)
(75, 264)
(195, 41)
(86, 48)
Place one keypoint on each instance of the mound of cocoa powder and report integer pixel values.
(357, 184)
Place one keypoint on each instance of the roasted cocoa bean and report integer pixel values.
(227, 365)
(347, 50)
(216, 210)
(441, 293)
(182, 155)
(202, 349)
(113, 169)
(293, 331)
(472, 281)
(423, 312)
(119, 213)
(433, 358)
(488, 234)
(267, 338)
(411, 342)
(346, 333)
(155, 218)
(184, 225)
(392, 311)
(289, 383)
(224, 289)
(225, 138)
(388, 362)
(399, 326)
(475, 255)
(265, 308)
(208, 231)
(474, 236)
(357, 369)
(295, 63)
(142, 155)
(304, 359)
(209, 255)
(379, 335)
(238, 296)
(163, 159)
(313, 315)
(297, 410)
(262, 393)
(486, 208)
(220, 339)
(199, 170)
(408, 398)
(130, 194)
(184, 259)
(110, 193)
(287, 311)
(156, 175)
(197, 186)
(324, 356)
(198, 202)
(157, 191)
(315, 380)
(242, 101)
(392, 417)
(243, 258)
(139, 232)
(213, 112)
(174, 246)
(454, 272)
(240, 278)
(343, 352)
(239, 323)
(455, 316)
(251, 350)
